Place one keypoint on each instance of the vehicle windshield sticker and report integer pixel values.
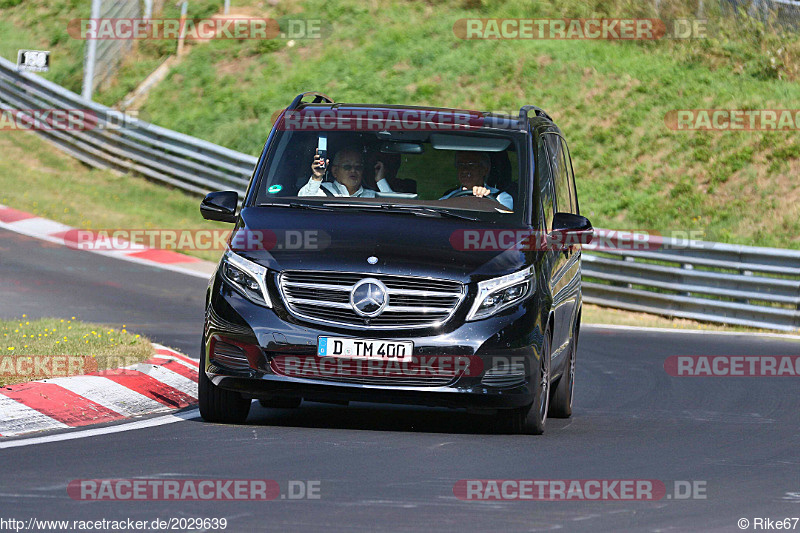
(274, 188)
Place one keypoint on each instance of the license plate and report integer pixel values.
(365, 349)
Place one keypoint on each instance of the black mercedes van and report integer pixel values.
(403, 255)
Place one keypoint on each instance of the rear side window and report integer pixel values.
(546, 183)
(573, 195)
(558, 165)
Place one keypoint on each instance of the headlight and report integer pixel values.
(246, 277)
(497, 294)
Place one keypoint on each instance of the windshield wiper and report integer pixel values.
(295, 205)
(417, 210)
(430, 211)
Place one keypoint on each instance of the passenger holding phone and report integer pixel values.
(347, 170)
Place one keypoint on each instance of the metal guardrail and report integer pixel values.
(699, 280)
(707, 281)
(126, 144)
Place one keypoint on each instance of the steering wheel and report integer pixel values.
(468, 192)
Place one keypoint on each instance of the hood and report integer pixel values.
(344, 239)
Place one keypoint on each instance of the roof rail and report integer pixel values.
(318, 98)
(539, 112)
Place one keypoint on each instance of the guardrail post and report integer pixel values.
(629, 259)
(686, 266)
(91, 56)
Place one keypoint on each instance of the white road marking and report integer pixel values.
(32, 229)
(82, 434)
(168, 377)
(39, 226)
(17, 418)
(177, 360)
(110, 394)
(693, 331)
(173, 352)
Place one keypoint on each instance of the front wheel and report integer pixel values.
(219, 405)
(564, 391)
(531, 419)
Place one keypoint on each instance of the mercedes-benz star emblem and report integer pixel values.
(369, 297)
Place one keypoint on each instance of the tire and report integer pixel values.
(564, 391)
(531, 419)
(219, 405)
(280, 403)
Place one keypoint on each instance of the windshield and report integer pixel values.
(476, 175)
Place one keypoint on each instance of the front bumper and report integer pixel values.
(514, 335)
(454, 397)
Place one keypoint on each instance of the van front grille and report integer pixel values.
(413, 302)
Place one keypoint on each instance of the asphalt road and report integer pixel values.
(393, 468)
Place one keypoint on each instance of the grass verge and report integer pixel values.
(57, 347)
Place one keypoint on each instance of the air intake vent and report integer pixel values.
(504, 374)
(229, 356)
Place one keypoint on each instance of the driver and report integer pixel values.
(472, 168)
(347, 170)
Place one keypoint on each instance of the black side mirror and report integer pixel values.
(220, 206)
(578, 228)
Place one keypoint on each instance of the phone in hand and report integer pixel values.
(322, 150)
